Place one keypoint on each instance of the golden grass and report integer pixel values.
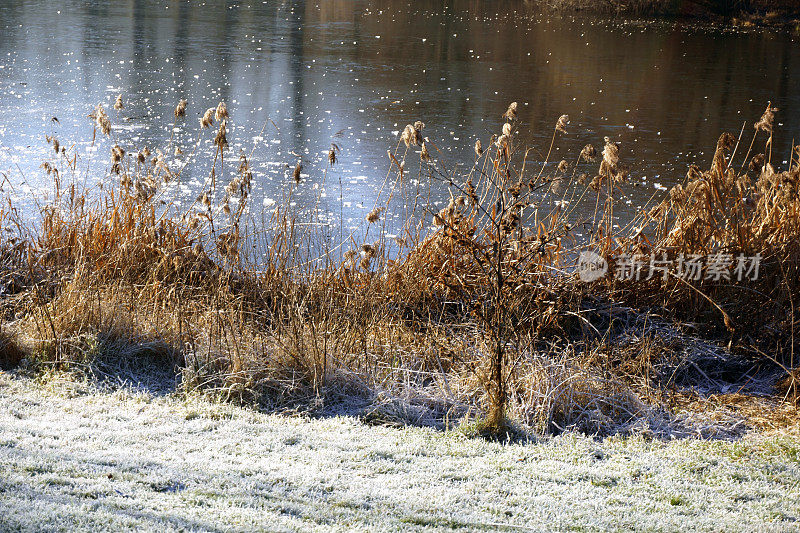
(478, 314)
(731, 211)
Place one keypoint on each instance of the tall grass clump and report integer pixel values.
(473, 312)
(744, 216)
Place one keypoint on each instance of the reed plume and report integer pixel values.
(588, 153)
(424, 154)
(180, 109)
(332, 154)
(221, 113)
(561, 125)
(411, 136)
(511, 112)
(101, 120)
(767, 119)
(117, 154)
(221, 140)
(374, 215)
(208, 118)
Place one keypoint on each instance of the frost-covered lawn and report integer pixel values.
(75, 459)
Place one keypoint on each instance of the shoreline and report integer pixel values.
(759, 13)
(474, 316)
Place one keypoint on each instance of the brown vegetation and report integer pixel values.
(479, 315)
(744, 12)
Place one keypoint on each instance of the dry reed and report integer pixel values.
(479, 313)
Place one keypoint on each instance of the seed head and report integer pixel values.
(368, 251)
(54, 142)
(423, 154)
(180, 109)
(588, 153)
(411, 136)
(221, 140)
(478, 148)
(374, 215)
(767, 172)
(208, 118)
(694, 172)
(332, 154)
(117, 153)
(222, 111)
(765, 124)
(297, 170)
(611, 153)
(140, 190)
(561, 125)
(101, 120)
(507, 129)
(511, 112)
(118, 105)
(472, 193)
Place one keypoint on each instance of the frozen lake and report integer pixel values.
(299, 76)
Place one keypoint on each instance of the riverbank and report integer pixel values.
(86, 459)
(482, 311)
(734, 12)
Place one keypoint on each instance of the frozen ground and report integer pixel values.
(73, 458)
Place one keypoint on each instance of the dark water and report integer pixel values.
(354, 72)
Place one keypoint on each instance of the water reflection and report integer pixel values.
(355, 72)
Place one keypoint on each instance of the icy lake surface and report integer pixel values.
(299, 76)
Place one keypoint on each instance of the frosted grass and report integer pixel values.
(77, 459)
